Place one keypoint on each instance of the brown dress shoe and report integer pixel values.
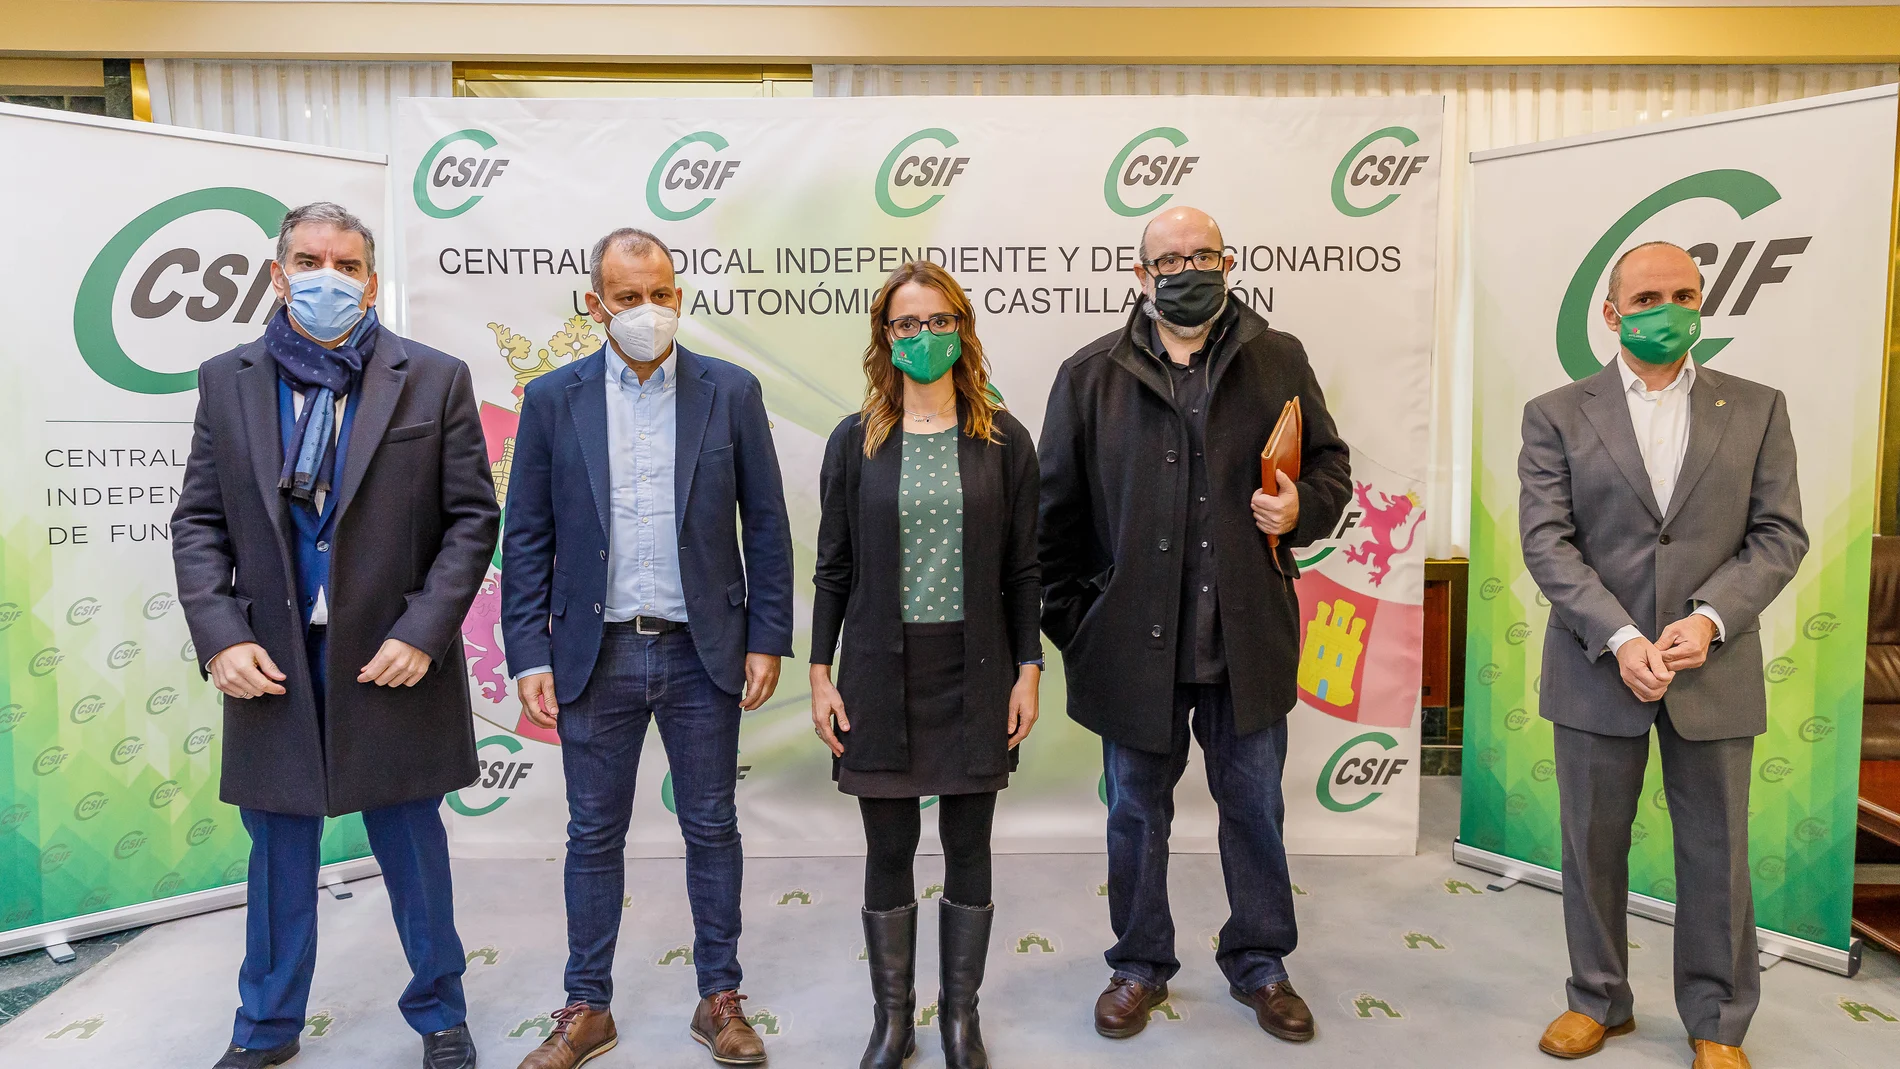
(1574, 1035)
(1123, 1007)
(1282, 1013)
(581, 1034)
(720, 1024)
(1712, 1055)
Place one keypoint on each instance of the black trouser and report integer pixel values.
(891, 828)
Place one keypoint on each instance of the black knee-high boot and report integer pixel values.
(963, 946)
(890, 940)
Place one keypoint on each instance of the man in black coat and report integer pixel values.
(336, 520)
(1174, 613)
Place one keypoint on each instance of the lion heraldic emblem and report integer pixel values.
(1384, 521)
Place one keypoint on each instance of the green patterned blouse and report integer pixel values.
(930, 527)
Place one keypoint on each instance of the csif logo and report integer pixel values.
(50, 760)
(447, 172)
(1816, 728)
(122, 654)
(1371, 769)
(1489, 674)
(200, 832)
(93, 804)
(11, 716)
(198, 740)
(82, 611)
(168, 885)
(1779, 670)
(164, 793)
(54, 856)
(1516, 719)
(126, 749)
(698, 173)
(1776, 769)
(1376, 169)
(230, 285)
(909, 167)
(1141, 164)
(1821, 625)
(87, 709)
(1744, 191)
(45, 661)
(10, 613)
(159, 604)
(499, 774)
(188, 652)
(130, 843)
(161, 700)
(14, 815)
(1544, 771)
(1491, 588)
(1517, 633)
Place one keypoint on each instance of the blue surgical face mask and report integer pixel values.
(327, 303)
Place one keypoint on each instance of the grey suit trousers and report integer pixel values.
(1600, 784)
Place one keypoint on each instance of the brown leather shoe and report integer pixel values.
(720, 1024)
(1573, 1035)
(1282, 1013)
(1122, 1008)
(1712, 1055)
(581, 1034)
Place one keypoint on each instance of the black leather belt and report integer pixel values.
(649, 625)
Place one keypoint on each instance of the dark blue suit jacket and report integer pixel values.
(554, 551)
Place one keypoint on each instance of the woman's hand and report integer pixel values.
(827, 706)
(1022, 703)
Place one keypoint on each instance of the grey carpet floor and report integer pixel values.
(1406, 962)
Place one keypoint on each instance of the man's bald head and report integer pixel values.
(1183, 231)
(1658, 265)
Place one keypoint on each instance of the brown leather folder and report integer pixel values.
(1282, 454)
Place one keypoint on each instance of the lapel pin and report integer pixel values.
(1719, 404)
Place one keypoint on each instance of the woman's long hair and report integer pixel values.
(884, 384)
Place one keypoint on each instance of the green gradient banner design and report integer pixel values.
(785, 216)
(109, 737)
(1780, 207)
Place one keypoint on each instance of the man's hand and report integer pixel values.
(1022, 703)
(397, 664)
(761, 679)
(245, 671)
(827, 710)
(1644, 670)
(1685, 643)
(1276, 514)
(537, 699)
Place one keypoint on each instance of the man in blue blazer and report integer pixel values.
(647, 576)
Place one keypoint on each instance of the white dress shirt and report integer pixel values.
(1661, 421)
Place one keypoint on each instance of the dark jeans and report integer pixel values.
(1243, 773)
(641, 678)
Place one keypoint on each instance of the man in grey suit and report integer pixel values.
(1659, 514)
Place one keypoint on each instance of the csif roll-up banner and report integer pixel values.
(1786, 209)
(786, 215)
(137, 252)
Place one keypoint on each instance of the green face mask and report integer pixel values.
(927, 356)
(1662, 334)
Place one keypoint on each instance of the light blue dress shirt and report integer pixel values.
(643, 557)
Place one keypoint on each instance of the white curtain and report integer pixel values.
(340, 105)
(1486, 107)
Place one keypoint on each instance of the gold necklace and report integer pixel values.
(929, 417)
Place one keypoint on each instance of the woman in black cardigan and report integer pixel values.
(927, 563)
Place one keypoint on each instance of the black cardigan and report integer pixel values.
(859, 565)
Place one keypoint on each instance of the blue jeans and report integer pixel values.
(659, 678)
(1243, 774)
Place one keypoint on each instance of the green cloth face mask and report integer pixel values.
(927, 356)
(1662, 334)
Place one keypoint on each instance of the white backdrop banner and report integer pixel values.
(785, 216)
(139, 252)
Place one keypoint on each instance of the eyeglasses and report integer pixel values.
(1171, 263)
(910, 326)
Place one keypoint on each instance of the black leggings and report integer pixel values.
(891, 828)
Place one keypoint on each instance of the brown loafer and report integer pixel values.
(1122, 1008)
(720, 1025)
(581, 1034)
(1712, 1055)
(1281, 1012)
(1573, 1035)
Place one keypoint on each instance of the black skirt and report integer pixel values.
(933, 718)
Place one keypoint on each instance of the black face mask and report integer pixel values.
(1191, 297)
